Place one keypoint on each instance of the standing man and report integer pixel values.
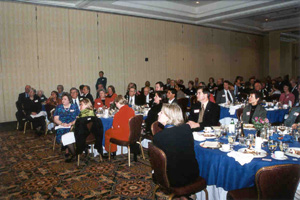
(101, 80)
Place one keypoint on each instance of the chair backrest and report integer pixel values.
(278, 181)
(135, 128)
(155, 127)
(193, 99)
(158, 161)
(239, 113)
(183, 103)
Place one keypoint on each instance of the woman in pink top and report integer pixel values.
(286, 96)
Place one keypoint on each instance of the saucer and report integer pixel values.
(221, 149)
(283, 158)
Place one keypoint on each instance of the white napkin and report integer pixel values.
(241, 157)
(209, 144)
(232, 109)
(198, 136)
(59, 127)
(42, 113)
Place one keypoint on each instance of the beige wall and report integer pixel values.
(286, 58)
(46, 46)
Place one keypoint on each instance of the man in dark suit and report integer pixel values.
(74, 94)
(225, 95)
(101, 80)
(132, 98)
(172, 95)
(146, 97)
(151, 89)
(204, 112)
(20, 114)
(87, 94)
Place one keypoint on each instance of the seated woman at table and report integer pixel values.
(65, 115)
(177, 142)
(100, 102)
(254, 109)
(82, 131)
(32, 109)
(286, 97)
(159, 98)
(111, 95)
(120, 126)
(53, 100)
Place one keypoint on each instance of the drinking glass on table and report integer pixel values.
(272, 145)
(231, 139)
(285, 146)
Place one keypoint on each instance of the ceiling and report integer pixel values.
(256, 16)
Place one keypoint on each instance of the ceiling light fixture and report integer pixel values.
(266, 19)
(197, 2)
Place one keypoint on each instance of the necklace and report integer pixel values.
(67, 109)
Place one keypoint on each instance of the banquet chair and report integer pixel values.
(272, 182)
(239, 113)
(90, 140)
(50, 118)
(155, 128)
(135, 128)
(183, 103)
(25, 125)
(158, 162)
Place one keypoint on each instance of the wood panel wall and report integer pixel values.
(46, 46)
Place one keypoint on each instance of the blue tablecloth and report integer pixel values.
(222, 171)
(273, 116)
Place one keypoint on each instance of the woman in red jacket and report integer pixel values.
(120, 127)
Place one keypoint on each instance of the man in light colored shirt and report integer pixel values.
(225, 95)
(74, 94)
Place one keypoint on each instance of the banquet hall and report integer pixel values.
(99, 50)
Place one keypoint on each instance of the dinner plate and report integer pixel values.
(208, 135)
(198, 137)
(221, 149)
(249, 126)
(289, 152)
(210, 147)
(283, 158)
(258, 154)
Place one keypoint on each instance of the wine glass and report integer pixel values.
(285, 146)
(231, 139)
(272, 146)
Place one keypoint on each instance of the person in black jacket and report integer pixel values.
(159, 98)
(177, 142)
(86, 94)
(86, 123)
(32, 108)
(20, 114)
(204, 112)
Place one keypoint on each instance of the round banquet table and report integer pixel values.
(222, 171)
(272, 115)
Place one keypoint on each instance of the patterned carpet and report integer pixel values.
(30, 169)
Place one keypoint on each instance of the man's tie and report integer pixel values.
(201, 113)
(75, 102)
(228, 96)
(130, 102)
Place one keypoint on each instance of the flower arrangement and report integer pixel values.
(260, 123)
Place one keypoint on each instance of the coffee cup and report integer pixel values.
(226, 147)
(207, 129)
(279, 154)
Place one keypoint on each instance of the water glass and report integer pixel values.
(272, 145)
(231, 139)
(285, 146)
(242, 141)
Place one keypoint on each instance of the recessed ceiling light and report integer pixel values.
(266, 19)
(197, 2)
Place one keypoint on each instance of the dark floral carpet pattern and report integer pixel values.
(30, 169)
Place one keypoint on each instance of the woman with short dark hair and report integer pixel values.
(286, 97)
(65, 115)
(111, 95)
(159, 98)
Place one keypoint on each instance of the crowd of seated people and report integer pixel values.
(203, 111)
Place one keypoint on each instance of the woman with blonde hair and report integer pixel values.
(177, 142)
(86, 123)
